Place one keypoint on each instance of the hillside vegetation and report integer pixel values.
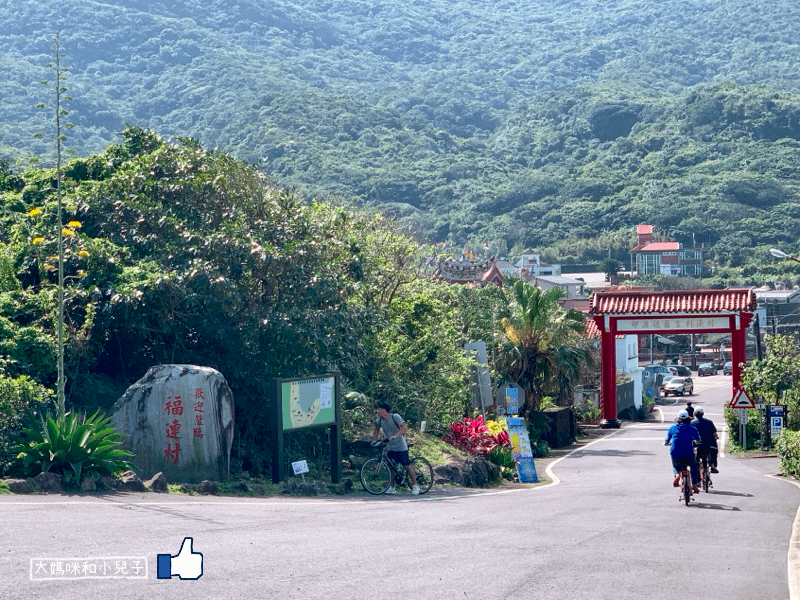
(183, 255)
(555, 124)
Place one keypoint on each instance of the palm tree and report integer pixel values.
(541, 346)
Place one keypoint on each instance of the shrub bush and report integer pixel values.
(474, 437)
(788, 446)
(20, 397)
(732, 421)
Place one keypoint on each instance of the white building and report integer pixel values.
(531, 265)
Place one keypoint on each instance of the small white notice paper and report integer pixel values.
(300, 467)
(325, 395)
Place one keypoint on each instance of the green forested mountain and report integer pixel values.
(557, 124)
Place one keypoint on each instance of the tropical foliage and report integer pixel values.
(540, 346)
(72, 445)
(473, 436)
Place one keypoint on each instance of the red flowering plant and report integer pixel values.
(474, 437)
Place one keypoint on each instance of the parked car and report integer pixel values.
(706, 369)
(727, 368)
(678, 386)
(680, 370)
(664, 381)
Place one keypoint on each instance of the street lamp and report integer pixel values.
(781, 254)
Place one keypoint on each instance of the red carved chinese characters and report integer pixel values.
(172, 452)
(173, 429)
(174, 406)
(197, 432)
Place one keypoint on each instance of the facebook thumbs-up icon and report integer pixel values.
(186, 565)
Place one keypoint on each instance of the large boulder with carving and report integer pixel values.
(178, 420)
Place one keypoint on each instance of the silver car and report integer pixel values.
(678, 386)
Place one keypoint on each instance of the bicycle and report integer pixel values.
(705, 470)
(376, 476)
(686, 484)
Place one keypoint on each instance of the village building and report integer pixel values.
(531, 264)
(664, 258)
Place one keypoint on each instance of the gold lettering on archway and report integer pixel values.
(674, 324)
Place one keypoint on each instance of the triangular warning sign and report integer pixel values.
(741, 400)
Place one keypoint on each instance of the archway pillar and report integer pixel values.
(608, 372)
(738, 344)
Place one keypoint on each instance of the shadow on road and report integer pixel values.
(580, 453)
(707, 505)
(721, 493)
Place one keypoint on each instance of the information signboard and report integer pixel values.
(305, 403)
(512, 400)
(521, 450)
(777, 416)
(308, 402)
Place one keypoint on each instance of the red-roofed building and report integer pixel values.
(664, 258)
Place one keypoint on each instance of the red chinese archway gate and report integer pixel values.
(625, 312)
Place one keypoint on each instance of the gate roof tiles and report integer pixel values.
(627, 302)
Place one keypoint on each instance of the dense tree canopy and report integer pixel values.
(188, 256)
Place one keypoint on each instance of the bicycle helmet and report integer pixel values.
(699, 410)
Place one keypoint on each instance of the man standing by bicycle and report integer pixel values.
(680, 439)
(708, 438)
(394, 428)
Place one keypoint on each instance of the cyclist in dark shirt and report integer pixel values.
(690, 409)
(708, 438)
(680, 439)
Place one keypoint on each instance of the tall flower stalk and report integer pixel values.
(60, 89)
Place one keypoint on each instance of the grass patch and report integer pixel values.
(435, 450)
(253, 488)
(4, 487)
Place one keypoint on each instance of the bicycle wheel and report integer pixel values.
(424, 472)
(687, 489)
(375, 476)
(706, 476)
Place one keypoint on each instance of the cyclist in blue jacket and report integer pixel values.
(680, 439)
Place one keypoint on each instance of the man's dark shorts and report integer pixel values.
(400, 456)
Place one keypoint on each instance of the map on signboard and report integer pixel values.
(308, 402)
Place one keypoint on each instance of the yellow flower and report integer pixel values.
(35, 211)
(38, 240)
(74, 224)
(83, 253)
(82, 273)
(66, 231)
(48, 267)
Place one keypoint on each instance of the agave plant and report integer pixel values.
(73, 445)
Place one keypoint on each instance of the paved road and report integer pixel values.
(611, 527)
